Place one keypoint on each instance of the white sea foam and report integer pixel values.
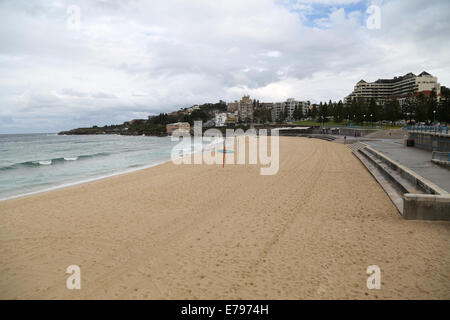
(44, 162)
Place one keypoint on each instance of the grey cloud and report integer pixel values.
(102, 95)
(135, 57)
(72, 93)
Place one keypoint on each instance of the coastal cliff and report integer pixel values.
(124, 129)
(154, 125)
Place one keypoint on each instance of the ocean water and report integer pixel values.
(31, 163)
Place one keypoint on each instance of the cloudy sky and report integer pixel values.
(66, 64)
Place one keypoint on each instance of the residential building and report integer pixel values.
(397, 88)
(220, 119)
(246, 108)
(233, 106)
(232, 118)
(288, 107)
(182, 126)
(266, 105)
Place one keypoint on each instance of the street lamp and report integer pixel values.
(434, 117)
(371, 121)
(364, 119)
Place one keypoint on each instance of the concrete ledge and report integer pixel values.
(441, 163)
(408, 174)
(403, 188)
(384, 179)
(433, 141)
(402, 184)
(426, 207)
(310, 135)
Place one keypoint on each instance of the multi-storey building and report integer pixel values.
(220, 119)
(245, 108)
(288, 107)
(396, 88)
(232, 118)
(266, 105)
(181, 126)
(233, 106)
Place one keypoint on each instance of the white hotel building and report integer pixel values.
(398, 87)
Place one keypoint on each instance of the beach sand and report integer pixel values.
(207, 232)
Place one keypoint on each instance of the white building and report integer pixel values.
(288, 107)
(220, 119)
(398, 87)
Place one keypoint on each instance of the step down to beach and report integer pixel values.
(413, 196)
(394, 192)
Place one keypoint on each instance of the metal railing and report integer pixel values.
(428, 129)
(441, 156)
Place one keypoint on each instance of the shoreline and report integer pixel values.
(75, 183)
(101, 177)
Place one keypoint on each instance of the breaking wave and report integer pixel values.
(38, 163)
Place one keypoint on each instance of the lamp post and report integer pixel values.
(371, 121)
(364, 119)
(434, 117)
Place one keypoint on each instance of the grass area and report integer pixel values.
(344, 124)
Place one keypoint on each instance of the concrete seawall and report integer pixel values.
(433, 141)
(426, 207)
(422, 199)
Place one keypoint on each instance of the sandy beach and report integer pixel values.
(207, 232)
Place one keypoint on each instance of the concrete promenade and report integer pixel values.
(414, 158)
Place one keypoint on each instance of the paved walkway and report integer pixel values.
(416, 159)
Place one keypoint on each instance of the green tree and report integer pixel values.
(281, 117)
(443, 111)
(314, 112)
(408, 108)
(198, 115)
(392, 110)
(421, 110)
(338, 113)
(373, 110)
(431, 103)
(298, 113)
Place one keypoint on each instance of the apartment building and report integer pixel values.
(288, 107)
(220, 119)
(246, 108)
(233, 106)
(398, 87)
(182, 126)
